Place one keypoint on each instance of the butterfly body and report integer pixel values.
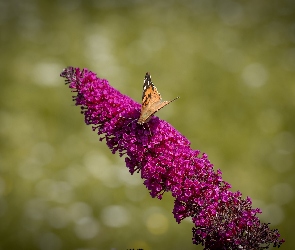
(151, 100)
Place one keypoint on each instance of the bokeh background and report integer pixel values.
(231, 62)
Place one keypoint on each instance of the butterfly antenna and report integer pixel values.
(174, 99)
(129, 118)
(131, 121)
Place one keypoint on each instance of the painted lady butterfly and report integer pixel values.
(151, 100)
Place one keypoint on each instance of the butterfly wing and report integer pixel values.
(150, 94)
(159, 105)
(151, 100)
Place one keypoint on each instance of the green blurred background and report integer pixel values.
(231, 62)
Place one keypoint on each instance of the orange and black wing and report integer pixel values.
(151, 100)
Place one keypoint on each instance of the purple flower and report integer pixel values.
(222, 219)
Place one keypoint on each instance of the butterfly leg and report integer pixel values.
(148, 128)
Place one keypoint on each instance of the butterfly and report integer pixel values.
(151, 100)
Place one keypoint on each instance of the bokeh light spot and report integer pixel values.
(157, 223)
(86, 228)
(115, 216)
(255, 75)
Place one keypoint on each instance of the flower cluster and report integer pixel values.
(222, 219)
